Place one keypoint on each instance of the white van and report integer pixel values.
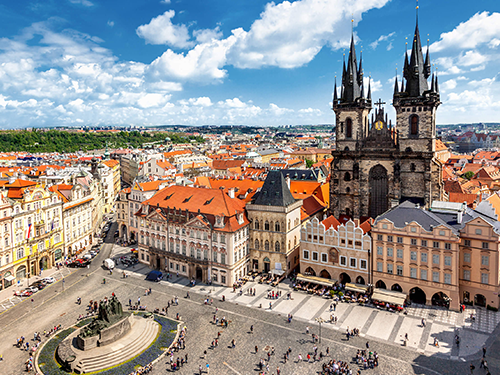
(108, 263)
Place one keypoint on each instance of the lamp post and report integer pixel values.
(320, 320)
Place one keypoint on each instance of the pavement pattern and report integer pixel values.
(383, 330)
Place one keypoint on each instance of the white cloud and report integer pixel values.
(383, 38)
(152, 100)
(110, 23)
(494, 43)
(207, 35)
(480, 29)
(165, 1)
(161, 30)
(449, 85)
(472, 58)
(85, 3)
(203, 101)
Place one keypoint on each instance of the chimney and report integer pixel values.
(287, 179)
(230, 192)
(459, 217)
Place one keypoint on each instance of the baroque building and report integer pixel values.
(378, 165)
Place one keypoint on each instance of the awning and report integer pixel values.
(389, 296)
(359, 288)
(277, 272)
(316, 280)
(9, 278)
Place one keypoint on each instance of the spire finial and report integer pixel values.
(416, 8)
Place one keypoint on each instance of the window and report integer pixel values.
(423, 274)
(399, 253)
(324, 257)
(306, 254)
(413, 229)
(413, 241)
(389, 252)
(380, 237)
(214, 237)
(380, 267)
(485, 245)
(389, 268)
(277, 246)
(447, 260)
(413, 273)
(20, 253)
(399, 239)
(484, 278)
(223, 238)
(184, 269)
(214, 256)
(479, 231)
(277, 226)
(466, 242)
(466, 275)
(435, 276)
(315, 256)
(435, 259)
(363, 264)
(442, 233)
(353, 262)
(389, 238)
(384, 226)
(380, 250)
(485, 260)
(435, 244)
(399, 270)
(266, 225)
(413, 255)
(447, 278)
(256, 244)
(414, 125)
(266, 245)
(424, 243)
(466, 257)
(348, 133)
(343, 261)
(223, 258)
(223, 279)
(447, 246)
(198, 254)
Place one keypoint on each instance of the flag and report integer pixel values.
(29, 232)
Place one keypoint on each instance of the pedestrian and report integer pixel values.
(423, 322)
(208, 366)
(482, 363)
(472, 368)
(307, 330)
(484, 351)
(367, 345)
(200, 369)
(406, 336)
(251, 329)
(299, 358)
(278, 371)
(256, 349)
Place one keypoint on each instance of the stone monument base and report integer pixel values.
(142, 332)
(107, 335)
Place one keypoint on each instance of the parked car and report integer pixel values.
(33, 289)
(23, 293)
(92, 253)
(49, 280)
(40, 284)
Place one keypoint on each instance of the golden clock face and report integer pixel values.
(378, 125)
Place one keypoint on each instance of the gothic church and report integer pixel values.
(378, 165)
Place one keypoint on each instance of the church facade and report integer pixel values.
(377, 164)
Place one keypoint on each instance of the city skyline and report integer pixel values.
(88, 62)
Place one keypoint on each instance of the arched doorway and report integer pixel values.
(267, 265)
(345, 278)
(124, 232)
(199, 274)
(309, 272)
(467, 297)
(480, 300)
(441, 299)
(360, 280)
(132, 236)
(325, 274)
(397, 288)
(380, 284)
(21, 273)
(417, 295)
(43, 263)
(378, 190)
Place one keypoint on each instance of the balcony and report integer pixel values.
(178, 257)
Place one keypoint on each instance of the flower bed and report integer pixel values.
(46, 359)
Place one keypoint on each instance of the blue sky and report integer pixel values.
(196, 62)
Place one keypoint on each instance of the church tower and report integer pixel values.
(352, 109)
(377, 165)
(415, 102)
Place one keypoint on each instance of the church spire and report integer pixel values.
(369, 88)
(427, 64)
(416, 81)
(396, 85)
(335, 99)
(351, 77)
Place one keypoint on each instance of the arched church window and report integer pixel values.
(277, 246)
(277, 226)
(256, 244)
(266, 225)
(347, 176)
(266, 245)
(414, 125)
(355, 171)
(348, 128)
(347, 190)
(412, 167)
(256, 224)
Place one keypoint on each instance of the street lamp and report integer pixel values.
(320, 320)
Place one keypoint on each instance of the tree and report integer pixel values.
(468, 175)
(309, 163)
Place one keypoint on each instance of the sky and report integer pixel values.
(219, 62)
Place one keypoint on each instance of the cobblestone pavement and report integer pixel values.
(381, 329)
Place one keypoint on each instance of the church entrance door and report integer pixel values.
(379, 190)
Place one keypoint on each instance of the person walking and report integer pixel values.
(251, 329)
(484, 351)
(472, 368)
(256, 349)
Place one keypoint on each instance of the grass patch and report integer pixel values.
(83, 322)
(46, 360)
